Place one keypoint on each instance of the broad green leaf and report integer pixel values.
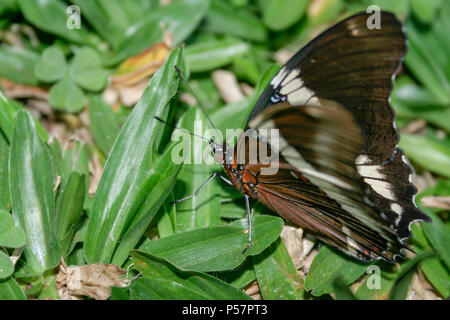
(161, 289)
(180, 18)
(281, 14)
(426, 59)
(120, 293)
(166, 218)
(239, 277)
(205, 56)
(116, 202)
(111, 18)
(401, 288)
(276, 274)
(102, 123)
(400, 7)
(75, 159)
(430, 154)
(17, 64)
(342, 291)
(156, 187)
(11, 236)
(10, 290)
(66, 95)
(51, 16)
(425, 10)
(224, 19)
(438, 234)
(51, 65)
(31, 186)
(5, 200)
(69, 208)
(8, 109)
(437, 273)
(6, 266)
(179, 283)
(329, 265)
(86, 70)
(202, 210)
(216, 248)
(369, 290)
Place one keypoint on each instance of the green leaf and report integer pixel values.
(425, 10)
(155, 188)
(430, 154)
(205, 56)
(165, 281)
(8, 109)
(437, 273)
(438, 234)
(32, 199)
(51, 65)
(66, 95)
(6, 266)
(102, 123)
(402, 287)
(11, 236)
(426, 59)
(85, 69)
(224, 19)
(281, 14)
(69, 208)
(342, 291)
(5, 200)
(180, 18)
(116, 203)
(202, 210)
(166, 219)
(10, 290)
(329, 265)
(241, 276)
(216, 248)
(276, 274)
(75, 159)
(111, 18)
(17, 64)
(51, 16)
(368, 291)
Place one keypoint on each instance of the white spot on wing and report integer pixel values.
(293, 74)
(278, 77)
(383, 188)
(370, 171)
(362, 159)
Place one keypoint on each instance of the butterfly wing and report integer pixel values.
(331, 105)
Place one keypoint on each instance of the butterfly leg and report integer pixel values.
(249, 223)
(215, 174)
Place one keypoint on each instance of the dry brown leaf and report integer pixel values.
(247, 89)
(415, 126)
(253, 290)
(436, 202)
(141, 66)
(19, 91)
(227, 85)
(92, 280)
(293, 240)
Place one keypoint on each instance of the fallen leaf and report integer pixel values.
(92, 280)
(227, 85)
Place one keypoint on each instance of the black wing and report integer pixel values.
(354, 66)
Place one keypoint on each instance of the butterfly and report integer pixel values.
(340, 173)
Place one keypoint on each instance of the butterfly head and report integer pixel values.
(221, 152)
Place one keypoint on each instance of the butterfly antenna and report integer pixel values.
(196, 99)
(185, 130)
